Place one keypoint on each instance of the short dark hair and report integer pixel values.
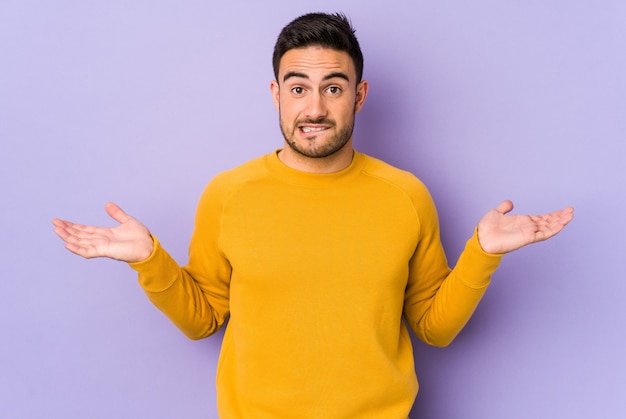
(332, 31)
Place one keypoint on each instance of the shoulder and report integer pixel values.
(394, 176)
(244, 173)
(403, 182)
(228, 182)
(240, 176)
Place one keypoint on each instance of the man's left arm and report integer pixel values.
(440, 301)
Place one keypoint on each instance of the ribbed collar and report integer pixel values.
(314, 180)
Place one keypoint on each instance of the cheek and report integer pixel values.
(347, 111)
(288, 110)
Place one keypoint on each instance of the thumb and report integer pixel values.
(116, 213)
(505, 207)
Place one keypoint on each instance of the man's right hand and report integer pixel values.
(130, 241)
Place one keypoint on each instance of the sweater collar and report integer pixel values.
(315, 180)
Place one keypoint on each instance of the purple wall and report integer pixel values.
(143, 104)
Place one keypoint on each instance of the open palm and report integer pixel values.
(499, 232)
(130, 241)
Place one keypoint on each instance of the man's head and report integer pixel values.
(332, 31)
(317, 91)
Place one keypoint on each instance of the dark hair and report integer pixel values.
(332, 31)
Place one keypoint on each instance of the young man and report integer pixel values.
(316, 252)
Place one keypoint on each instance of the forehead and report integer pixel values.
(316, 61)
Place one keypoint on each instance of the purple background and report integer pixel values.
(143, 102)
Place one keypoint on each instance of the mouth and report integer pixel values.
(312, 129)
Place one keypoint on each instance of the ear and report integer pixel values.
(275, 89)
(361, 94)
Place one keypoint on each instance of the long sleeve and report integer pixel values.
(439, 301)
(194, 297)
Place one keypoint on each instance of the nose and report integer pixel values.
(316, 106)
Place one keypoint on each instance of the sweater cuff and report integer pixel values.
(475, 266)
(153, 271)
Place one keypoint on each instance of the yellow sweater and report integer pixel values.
(316, 272)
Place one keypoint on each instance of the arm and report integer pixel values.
(194, 297)
(191, 297)
(440, 301)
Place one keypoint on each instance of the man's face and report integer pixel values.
(317, 97)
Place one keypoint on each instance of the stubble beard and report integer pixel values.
(332, 146)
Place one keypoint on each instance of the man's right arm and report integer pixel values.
(191, 296)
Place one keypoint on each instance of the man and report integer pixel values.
(316, 252)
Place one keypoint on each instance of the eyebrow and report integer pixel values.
(337, 74)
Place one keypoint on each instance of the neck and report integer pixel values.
(330, 164)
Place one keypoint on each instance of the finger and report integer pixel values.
(58, 222)
(551, 227)
(560, 217)
(77, 238)
(548, 231)
(561, 220)
(567, 215)
(81, 228)
(505, 206)
(73, 228)
(86, 252)
(61, 232)
(82, 240)
(116, 212)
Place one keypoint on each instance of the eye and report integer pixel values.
(334, 90)
(297, 90)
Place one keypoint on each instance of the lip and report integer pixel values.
(312, 129)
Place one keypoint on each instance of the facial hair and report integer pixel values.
(330, 147)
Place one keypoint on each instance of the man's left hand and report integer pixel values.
(499, 232)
